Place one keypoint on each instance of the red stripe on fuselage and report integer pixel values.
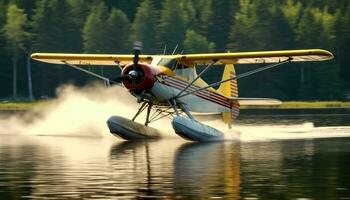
(204, 95)
(207, 93)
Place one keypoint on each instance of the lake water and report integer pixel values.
(274, 155)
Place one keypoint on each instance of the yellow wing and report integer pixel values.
(258, 57)
(88, 59)
(189, 59)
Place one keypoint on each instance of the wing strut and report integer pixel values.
(107, 80)
(237, 77)
(194, 80)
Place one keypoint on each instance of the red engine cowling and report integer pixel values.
(144, 82)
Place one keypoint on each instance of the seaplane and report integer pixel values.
(169, 86)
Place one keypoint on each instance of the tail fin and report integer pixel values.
(229, 89)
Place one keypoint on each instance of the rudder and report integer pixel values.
(229, 89)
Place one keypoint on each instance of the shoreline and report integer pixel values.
(23, 106)
(305, 105)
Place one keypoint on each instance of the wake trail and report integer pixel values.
(83, 112)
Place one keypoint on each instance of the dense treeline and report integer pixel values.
(108, 26)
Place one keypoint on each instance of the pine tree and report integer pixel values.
(172, 25)
(127, 6)
(94, 32)
(117, 32)
(16, 37)
(316, 29)
(144, 27)
(221, 23)
(204, 15)
(2, 22)
(243, 34)
(26, 5)
(3, 54)
(196, 43)
(343, 44)
(79, 10)
(51, 27)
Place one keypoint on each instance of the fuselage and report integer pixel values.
(164, 79)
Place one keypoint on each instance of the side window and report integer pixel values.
(170, 63)
(185, 72)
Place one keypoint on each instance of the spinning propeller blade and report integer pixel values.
(135, 73)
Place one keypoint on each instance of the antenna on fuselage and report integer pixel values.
(164, 50)
(177, 45)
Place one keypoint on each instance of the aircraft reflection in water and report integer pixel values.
(54, 168)
(199, 170)
(207, 170)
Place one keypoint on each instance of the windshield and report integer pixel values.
(170, 63)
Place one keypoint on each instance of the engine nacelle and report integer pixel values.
(146, 77)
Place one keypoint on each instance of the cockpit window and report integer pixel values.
(170, 63)
(180, 69)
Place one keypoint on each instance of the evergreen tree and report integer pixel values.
(2, 22)
(237, 25)
(80, 10)
(51, 26)
(53, 30)
(220, 26)
(27, 5)
(292, 12)
(204, 15)
(94, 32)
(127, 6)
(343, 44)
(315, 28)
(144, 27)
(117, 32)
(16, 37)
(244, 22)
(4, 79)
(172, 25)
(189, 13)
(196, 43)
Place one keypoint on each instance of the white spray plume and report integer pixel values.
(84, 111)
(77, 112)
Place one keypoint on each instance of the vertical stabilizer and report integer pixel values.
(230, 90)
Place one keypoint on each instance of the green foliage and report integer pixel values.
(244, 22)
(117, 27)
(219, 28)
(172, 24)
(51, 26)
(144, 27)
(2, 22)
(94, 32)
(204, 15)
(196, 43)
(106, 33)
(14, 30)
(110, 26)
(16, 37)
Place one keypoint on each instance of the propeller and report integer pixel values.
(135, 74)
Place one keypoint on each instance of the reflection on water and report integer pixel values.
(51, 167)
(207, 170)
(76, 168)
(318, 117)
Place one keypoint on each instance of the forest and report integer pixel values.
(196, 26)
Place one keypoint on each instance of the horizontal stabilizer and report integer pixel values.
(256, 101)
